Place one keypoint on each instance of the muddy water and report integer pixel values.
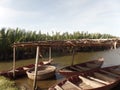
(112, 57)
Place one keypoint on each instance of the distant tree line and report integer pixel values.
(9, 36)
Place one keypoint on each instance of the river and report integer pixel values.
(112, 57)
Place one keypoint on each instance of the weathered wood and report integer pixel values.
(36, 68)
(91, 83)
(76, 69)
(84, 86)
(14, 62)
(99, 80)
(70, 86)
(115, 44)
(110, 73)
(83, 68)
(58, 87)
(79, 42)
(105, 77)
(116, 71)
(91, 65)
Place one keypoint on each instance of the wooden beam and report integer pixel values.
(36, 68)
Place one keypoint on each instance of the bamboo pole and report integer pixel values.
(14, 62)
(49, 53)
(36, 67)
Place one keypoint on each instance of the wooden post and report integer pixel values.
(36, 67)
(49, 53)
(73, 54)
(115, 44)
(14, 62)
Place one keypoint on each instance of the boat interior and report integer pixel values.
(90, 80)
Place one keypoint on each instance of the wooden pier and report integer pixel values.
(72, 44)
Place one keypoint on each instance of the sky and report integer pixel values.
(94, 16)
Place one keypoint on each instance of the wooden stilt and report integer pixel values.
(14, 62)
(49, 53)
(115, 45)
(36, 67)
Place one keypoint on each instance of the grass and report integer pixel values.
(6, 84)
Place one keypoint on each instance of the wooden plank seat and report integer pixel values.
(67, 70)
(116, 71)
(26, 68)
(110, 73)
(92, 83)
(98, 80)
(70, 86)
(84, 86)
(11, 71)
(76, 69)
(58, 87)
(83, 68)
(91, 65)
(105, 77)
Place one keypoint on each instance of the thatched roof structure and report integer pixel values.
(69, 43)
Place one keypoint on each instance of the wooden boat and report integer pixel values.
(44, 72)
(45, 62)
(82, 67)
(97, 79)
(21, 71)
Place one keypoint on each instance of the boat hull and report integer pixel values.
(46, 72)
(107, 82)
(71, 73)
(21, 71)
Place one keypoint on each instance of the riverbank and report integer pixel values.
(6, 84)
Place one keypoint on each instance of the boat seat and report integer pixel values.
(84, 86)
(58, 87)
(76, 69)
(104, 77)
(98, 80)
(70, 86)
(67, 70)
(26, 68)
(91, 65)
(92, 83)
(111, 74)
(82, 68)
(115, 71)
(12, 70)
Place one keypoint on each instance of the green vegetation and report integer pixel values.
(9, 36)
(6, 84)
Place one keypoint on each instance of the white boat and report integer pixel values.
(44, 72)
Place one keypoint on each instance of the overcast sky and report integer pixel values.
(102, 16)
